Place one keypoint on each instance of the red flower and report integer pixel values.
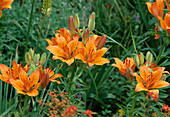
(88, 112)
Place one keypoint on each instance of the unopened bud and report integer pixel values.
(141, 58)
(85, 36)
(44, 79)
(71, 25)
(129, 75)
(136, 60)
(36, 59)
(31, 52)
(76, 21)
(28, 58)
(92, 25)
(43, 58)
(149, 57)
(92, 17)
(102, 42)
(163, 77)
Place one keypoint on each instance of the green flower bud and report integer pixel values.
(92, 25)
(28, 58)
(92, 17)
(141, 58)
(136, 60)
(31, 52)
(43, 58)
(147, 55)
(36, 59)
(76, 21)
(149, 59)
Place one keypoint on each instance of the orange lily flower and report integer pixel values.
(165, 24)
(5, 4)
(8, 73)
(156, 8)
(24, 84)
(123, 66)
(167, 4)
(90, 55)
(63, 46)
(48, 75)
(148, 81)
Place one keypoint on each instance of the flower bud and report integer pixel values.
(149, 57)
(76, 21)
(129, 75)
(44, 79)
(92, 25)
(163, 77)
(28, 58)
(92, 17)
(31, 52)
(141, 58)
(136, 60)
(36, 59)
(85, 36)
(102, 42)
(71, 25)
(43, 58)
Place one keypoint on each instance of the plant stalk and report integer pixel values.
(133, 105)
(29, 26)
(162, 49)
(46, 11)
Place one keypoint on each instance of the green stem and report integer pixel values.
(133, 105)
(93, 80)
(162, 49)
(26, 100)
(71, 77)
(133, 40)
(29, 25)
(46, 11)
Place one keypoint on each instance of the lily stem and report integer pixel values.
(26, 100)
(46, 11)
(162, 49)
(93, 80)
(29, 26)
(133, 105)
(71, 77)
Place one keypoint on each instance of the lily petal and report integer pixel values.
(160, 84)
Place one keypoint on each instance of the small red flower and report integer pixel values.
(166, 108)
(154, 96)
(88, 112)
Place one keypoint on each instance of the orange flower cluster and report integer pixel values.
(59, 106)
(5, 4)
(156, 9)
(27, 84)
(66, 48)
(150, 77)
(70, 111)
